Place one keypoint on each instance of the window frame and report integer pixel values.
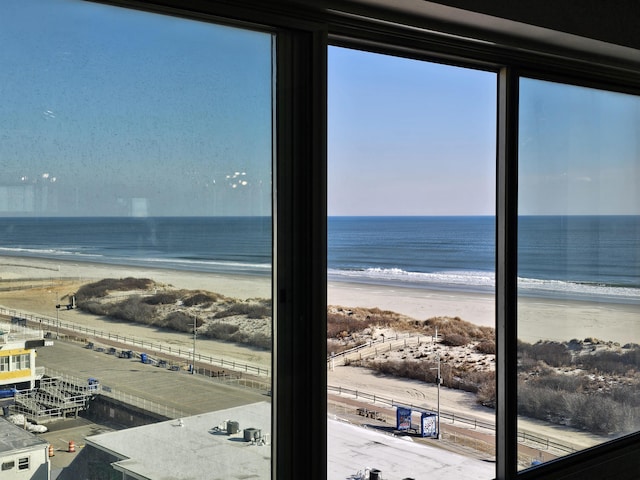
(612, 458)
(21, 361)
(299, 214)
(507, 237)
(299, 187)
(5, 363)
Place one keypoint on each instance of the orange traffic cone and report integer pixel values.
(51, 451)
(72, 446)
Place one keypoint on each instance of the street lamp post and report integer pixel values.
(438, 382)
(57, 318)
(193, 366)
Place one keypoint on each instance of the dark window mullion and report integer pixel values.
(506, 275)
(300, 269)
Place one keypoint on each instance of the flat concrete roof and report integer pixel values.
(202, 449)
(14, 438)
(353, 449)
(193, 447)
(15, 336)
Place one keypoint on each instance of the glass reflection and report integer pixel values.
(135, 237)
(411, 263)
(578, 266)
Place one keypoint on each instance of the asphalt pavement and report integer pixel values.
(176, 391)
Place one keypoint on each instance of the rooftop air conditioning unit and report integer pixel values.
(251, 434)
(233, 427)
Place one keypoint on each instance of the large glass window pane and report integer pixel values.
(136, 236)
(578, 268)
(411, 229)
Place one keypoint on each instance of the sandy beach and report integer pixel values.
(236, 286)
(413, 302)
(538, 318)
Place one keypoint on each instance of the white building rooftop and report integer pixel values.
(19, 335)
(196, 447)
(199, 447)
(353, 449)
(16, 439)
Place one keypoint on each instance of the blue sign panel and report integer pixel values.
(403, 418)
(429, 424)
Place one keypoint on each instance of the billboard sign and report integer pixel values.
(403, 418)
(429, 424)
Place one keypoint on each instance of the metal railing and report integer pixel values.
(374, 347)
(37, 414)
(141, 403)
(55, 398)
(16, 332)
(187, 354)
(523, 436)
(123, 397)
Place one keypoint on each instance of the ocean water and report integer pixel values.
(578, 257)
(238, 245)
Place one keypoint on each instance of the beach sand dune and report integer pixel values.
(236, 286)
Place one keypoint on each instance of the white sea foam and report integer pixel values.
(478, 281)
(209, 264)
(46, 252)
(580, 289)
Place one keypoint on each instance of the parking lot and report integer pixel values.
(178, 392)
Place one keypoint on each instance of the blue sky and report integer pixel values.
(417, 138)
(107, 111)
(121, 106)
(408, 137)
(579, 150)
